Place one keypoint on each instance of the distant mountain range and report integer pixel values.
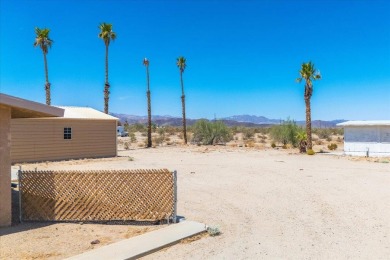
(237, 120)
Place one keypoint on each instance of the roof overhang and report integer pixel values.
(366, 123)
(22, 108)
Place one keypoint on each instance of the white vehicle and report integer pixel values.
(120, 131)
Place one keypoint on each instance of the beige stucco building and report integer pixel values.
(81, 133)
(11, 108)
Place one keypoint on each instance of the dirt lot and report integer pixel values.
(267, 203)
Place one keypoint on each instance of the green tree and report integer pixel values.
(44, 42)
(309, 74)
(106, 34)
(181, 64)
(207, 133)
(286, 133)
(149, 144)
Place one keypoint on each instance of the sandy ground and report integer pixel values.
(60, 240)
(268, 203)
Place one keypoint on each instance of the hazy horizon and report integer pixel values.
(242, 56)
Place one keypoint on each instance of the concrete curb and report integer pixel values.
(142, 245)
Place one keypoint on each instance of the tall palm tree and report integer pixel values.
(181, 64)
(146, 63)
(106, 34)
(44, 42)
(309, 74)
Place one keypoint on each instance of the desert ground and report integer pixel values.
(268, 203)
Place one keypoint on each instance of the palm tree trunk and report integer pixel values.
(308, 124)
(47, 84)
(183, 105)
(149, 110)
(106, 85)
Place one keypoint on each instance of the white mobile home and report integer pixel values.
(367, 138)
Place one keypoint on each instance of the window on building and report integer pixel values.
(67, 133)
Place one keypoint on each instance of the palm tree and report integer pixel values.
(302, 137)
(44, 42)
(181, 64)
(146, 63)
(106, 34)
(308, 73)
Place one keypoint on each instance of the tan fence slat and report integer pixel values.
(103, 195)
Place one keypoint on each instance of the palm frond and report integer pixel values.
(181, 63)
(42, 39)
(106, 33)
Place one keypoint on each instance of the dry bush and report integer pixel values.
(248, 133)
(250, 144)
(132, 137)
(158, 140)
(332, 146)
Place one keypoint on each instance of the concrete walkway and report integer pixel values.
(145, 244)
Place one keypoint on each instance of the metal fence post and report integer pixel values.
(20, 193)
(174, 196)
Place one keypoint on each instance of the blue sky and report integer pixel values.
(242, 56)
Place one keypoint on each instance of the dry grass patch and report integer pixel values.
(194, 238)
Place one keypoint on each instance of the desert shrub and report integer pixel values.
(126, 145)
(136, 128)
(339, 139)
(154, 127)
(250, 144)
(273, 145)
(319, 142)
(337, 130)
(144, 134)
(207, 133)
(170, 130)
(132, 137)
(332, 146)
(213, 231)
(310, 152)
(234, 130)
(158, 140)
(261, 130)
(161, 131)
(329, 139)
(323, 133)
(248, 133)
(286, 133)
